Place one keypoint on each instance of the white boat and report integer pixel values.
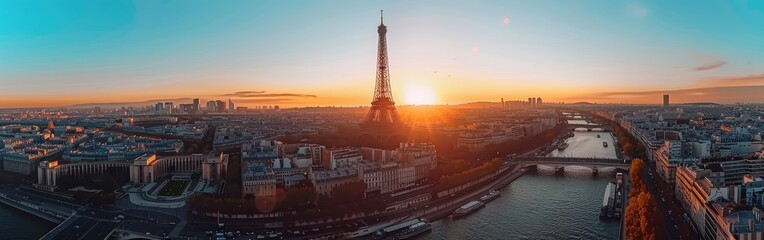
(604, 144)
(468, 208)
(414, 230)
(493, 194)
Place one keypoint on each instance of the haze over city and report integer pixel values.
(313, 53)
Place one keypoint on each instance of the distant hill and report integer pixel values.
(175, 101)
(700, 104)
(479, 104)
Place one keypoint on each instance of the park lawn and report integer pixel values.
(173, 188)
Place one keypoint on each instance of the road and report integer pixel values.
(94, 222)
(671, 219)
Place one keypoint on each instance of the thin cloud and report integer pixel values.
(746, 80)
(265, 100)
(506, 21)
(721, 94)
(278, 95)
(236, 94)
(709, 66)
(262, 94)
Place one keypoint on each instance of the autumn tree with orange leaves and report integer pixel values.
(640, 213)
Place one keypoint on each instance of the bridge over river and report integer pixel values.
(559, 163)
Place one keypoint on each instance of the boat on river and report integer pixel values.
(493, 194)
(468, 208)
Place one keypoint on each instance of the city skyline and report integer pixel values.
(267, 53)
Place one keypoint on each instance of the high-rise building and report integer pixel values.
(538, 102)
(186, 108)
(230, 106)
(502, 102)
(212, 106)
(159, 107)
(196, 105)
(665, 100)
(220, 106)
(530, 102)
(168, 107)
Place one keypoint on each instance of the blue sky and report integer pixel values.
(65, 52)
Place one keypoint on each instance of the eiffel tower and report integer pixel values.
(382, 114)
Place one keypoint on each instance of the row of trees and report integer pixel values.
(630, 146)
(453, 180)
(640, 216)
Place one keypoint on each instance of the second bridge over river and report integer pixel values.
(559, 163)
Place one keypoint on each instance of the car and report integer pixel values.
(315, 229)
(676, 226)
(121, 216)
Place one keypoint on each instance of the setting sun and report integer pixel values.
(420, 95)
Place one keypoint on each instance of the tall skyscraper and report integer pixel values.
(211, 106)
(665, 100)
(196, 105)
(538, 101)
(230, 106)
(382, 113)
(220, 106)
(530, 102)
(158, 108)
(168, 107)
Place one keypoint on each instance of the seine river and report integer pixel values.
(15, 224)
(542, 205)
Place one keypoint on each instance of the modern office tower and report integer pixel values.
(665, 100)
(538, 102)
(502, 102)
(230, 106)
(159, 107)
(212, 106)
(196, 105)
(168, 107)
(276, 107)
(220, 106)
(530, 102)
(186, 108)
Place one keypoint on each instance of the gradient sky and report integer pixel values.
(324, 52)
